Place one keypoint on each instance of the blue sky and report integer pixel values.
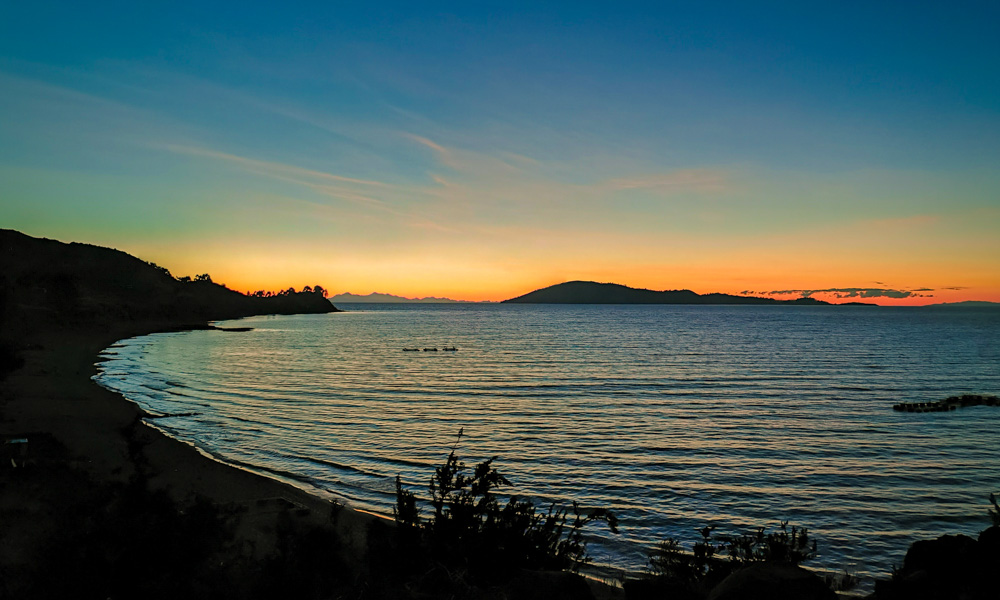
(480, 149)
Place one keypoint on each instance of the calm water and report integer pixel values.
(673, 416)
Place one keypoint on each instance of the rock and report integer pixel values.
(988, 554)
(952, 566)
(947, 554)
(772, 581)
(989, 540)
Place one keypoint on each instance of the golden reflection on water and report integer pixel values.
(673, 416)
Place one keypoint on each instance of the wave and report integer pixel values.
(740, 423)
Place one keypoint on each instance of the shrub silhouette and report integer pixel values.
(471, 528)
(710, 560)
(783, 546)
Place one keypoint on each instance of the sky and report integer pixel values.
(478, 150)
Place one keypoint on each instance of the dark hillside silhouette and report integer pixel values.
(45, 283)
(589, 292)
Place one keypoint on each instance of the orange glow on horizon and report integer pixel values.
(479, 274)
(453, 292)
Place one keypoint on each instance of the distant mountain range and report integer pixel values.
(589, 292)
(347, 298)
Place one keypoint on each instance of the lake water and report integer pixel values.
(675, 417)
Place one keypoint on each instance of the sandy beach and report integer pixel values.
(83, 439)
(81, 435)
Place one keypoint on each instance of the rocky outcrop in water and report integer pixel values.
(952, 403)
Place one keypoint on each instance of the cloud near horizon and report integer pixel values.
(850, 293)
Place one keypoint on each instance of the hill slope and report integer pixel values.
(589, 292)
(48, 284)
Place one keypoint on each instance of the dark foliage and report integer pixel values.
(157, 267)
(317, 290)
(843, 582)
(711, 559)
(471, 529)
(784, 546)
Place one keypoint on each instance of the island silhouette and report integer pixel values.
(590, 292)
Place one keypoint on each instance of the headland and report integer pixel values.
(94, 499)
(98, 503)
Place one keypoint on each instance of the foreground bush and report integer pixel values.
(705, 560)
(471, 528)
(684, 574)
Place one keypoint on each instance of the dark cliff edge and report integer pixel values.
(589, 292)
(46, 284)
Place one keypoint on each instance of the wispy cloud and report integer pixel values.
(361, 192)
(480, 165)
(683, 179)
(473, 163)
(66, 117)
(506, 184)
(270, 168)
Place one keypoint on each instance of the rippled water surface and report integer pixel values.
(674, 416)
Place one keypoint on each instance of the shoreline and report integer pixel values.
(604, 576)
(84, 437)
(73, 423)
(148, 420)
